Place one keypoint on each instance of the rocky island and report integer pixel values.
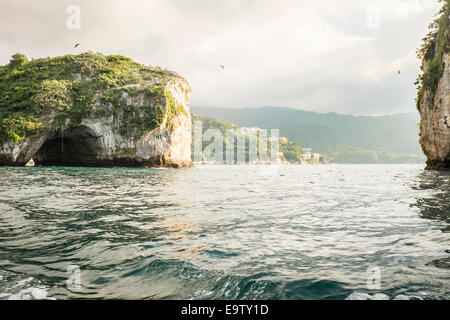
(433, 101)
(93, 110)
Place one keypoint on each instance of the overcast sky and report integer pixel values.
(321, 55)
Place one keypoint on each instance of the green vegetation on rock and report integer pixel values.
(292, 152)
(434, 45)
(53, 93)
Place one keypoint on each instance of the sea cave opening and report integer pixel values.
(76, 146)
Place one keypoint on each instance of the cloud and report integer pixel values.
(317, 55)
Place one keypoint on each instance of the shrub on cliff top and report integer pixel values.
(18, 60)
(434, 45)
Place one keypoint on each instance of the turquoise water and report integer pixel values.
(225, 232)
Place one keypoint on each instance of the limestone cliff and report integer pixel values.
(433, 100)
(93, 110)
(435, 122)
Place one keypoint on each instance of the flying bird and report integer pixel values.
(222, 66)
(76, 45)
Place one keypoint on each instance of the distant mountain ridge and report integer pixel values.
(343, 138)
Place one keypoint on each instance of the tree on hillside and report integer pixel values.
(18, 60)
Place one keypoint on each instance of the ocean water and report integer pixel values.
(225, 232)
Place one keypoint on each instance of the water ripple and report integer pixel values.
(225, 232)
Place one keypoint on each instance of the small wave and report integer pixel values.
(221, 254)
(376, 296)
(24, 289)
(189, 280)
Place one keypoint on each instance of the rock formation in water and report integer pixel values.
(433, 99)
(93, 110)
